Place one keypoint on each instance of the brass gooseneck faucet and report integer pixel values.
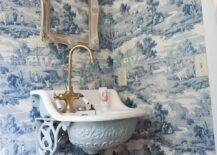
(69, 96)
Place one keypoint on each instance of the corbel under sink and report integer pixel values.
(92, 132)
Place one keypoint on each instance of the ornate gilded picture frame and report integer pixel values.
(67, 32)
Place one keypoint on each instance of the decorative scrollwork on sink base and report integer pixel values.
(48, 135)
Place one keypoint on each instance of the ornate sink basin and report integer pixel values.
(92, 132)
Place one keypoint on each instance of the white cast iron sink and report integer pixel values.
(93, 132)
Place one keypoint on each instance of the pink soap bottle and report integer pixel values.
(104, 98)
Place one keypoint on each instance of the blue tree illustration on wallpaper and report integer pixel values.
(69, 19)
(68, 22)
(124, 9)
(27, 3)
(152, 9)
(110, 62)
(190, 14)
(147, 47)
(110, 2)
(192, 8)
(60, 52)
(20, 56)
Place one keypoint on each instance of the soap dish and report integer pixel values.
(86, 113)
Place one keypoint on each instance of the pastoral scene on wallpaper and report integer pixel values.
(69, 17)
(154, 41)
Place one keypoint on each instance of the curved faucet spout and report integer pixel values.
(69, 96)
(69, 87)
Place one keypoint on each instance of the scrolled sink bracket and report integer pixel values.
(48, 135)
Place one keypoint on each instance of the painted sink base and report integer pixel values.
(90, 137)
(95, 136)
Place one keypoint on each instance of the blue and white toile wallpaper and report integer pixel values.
(154, 41)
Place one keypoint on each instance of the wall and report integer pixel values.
(27, 64)
(154, 42)
(157, 44)
(210, 25)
